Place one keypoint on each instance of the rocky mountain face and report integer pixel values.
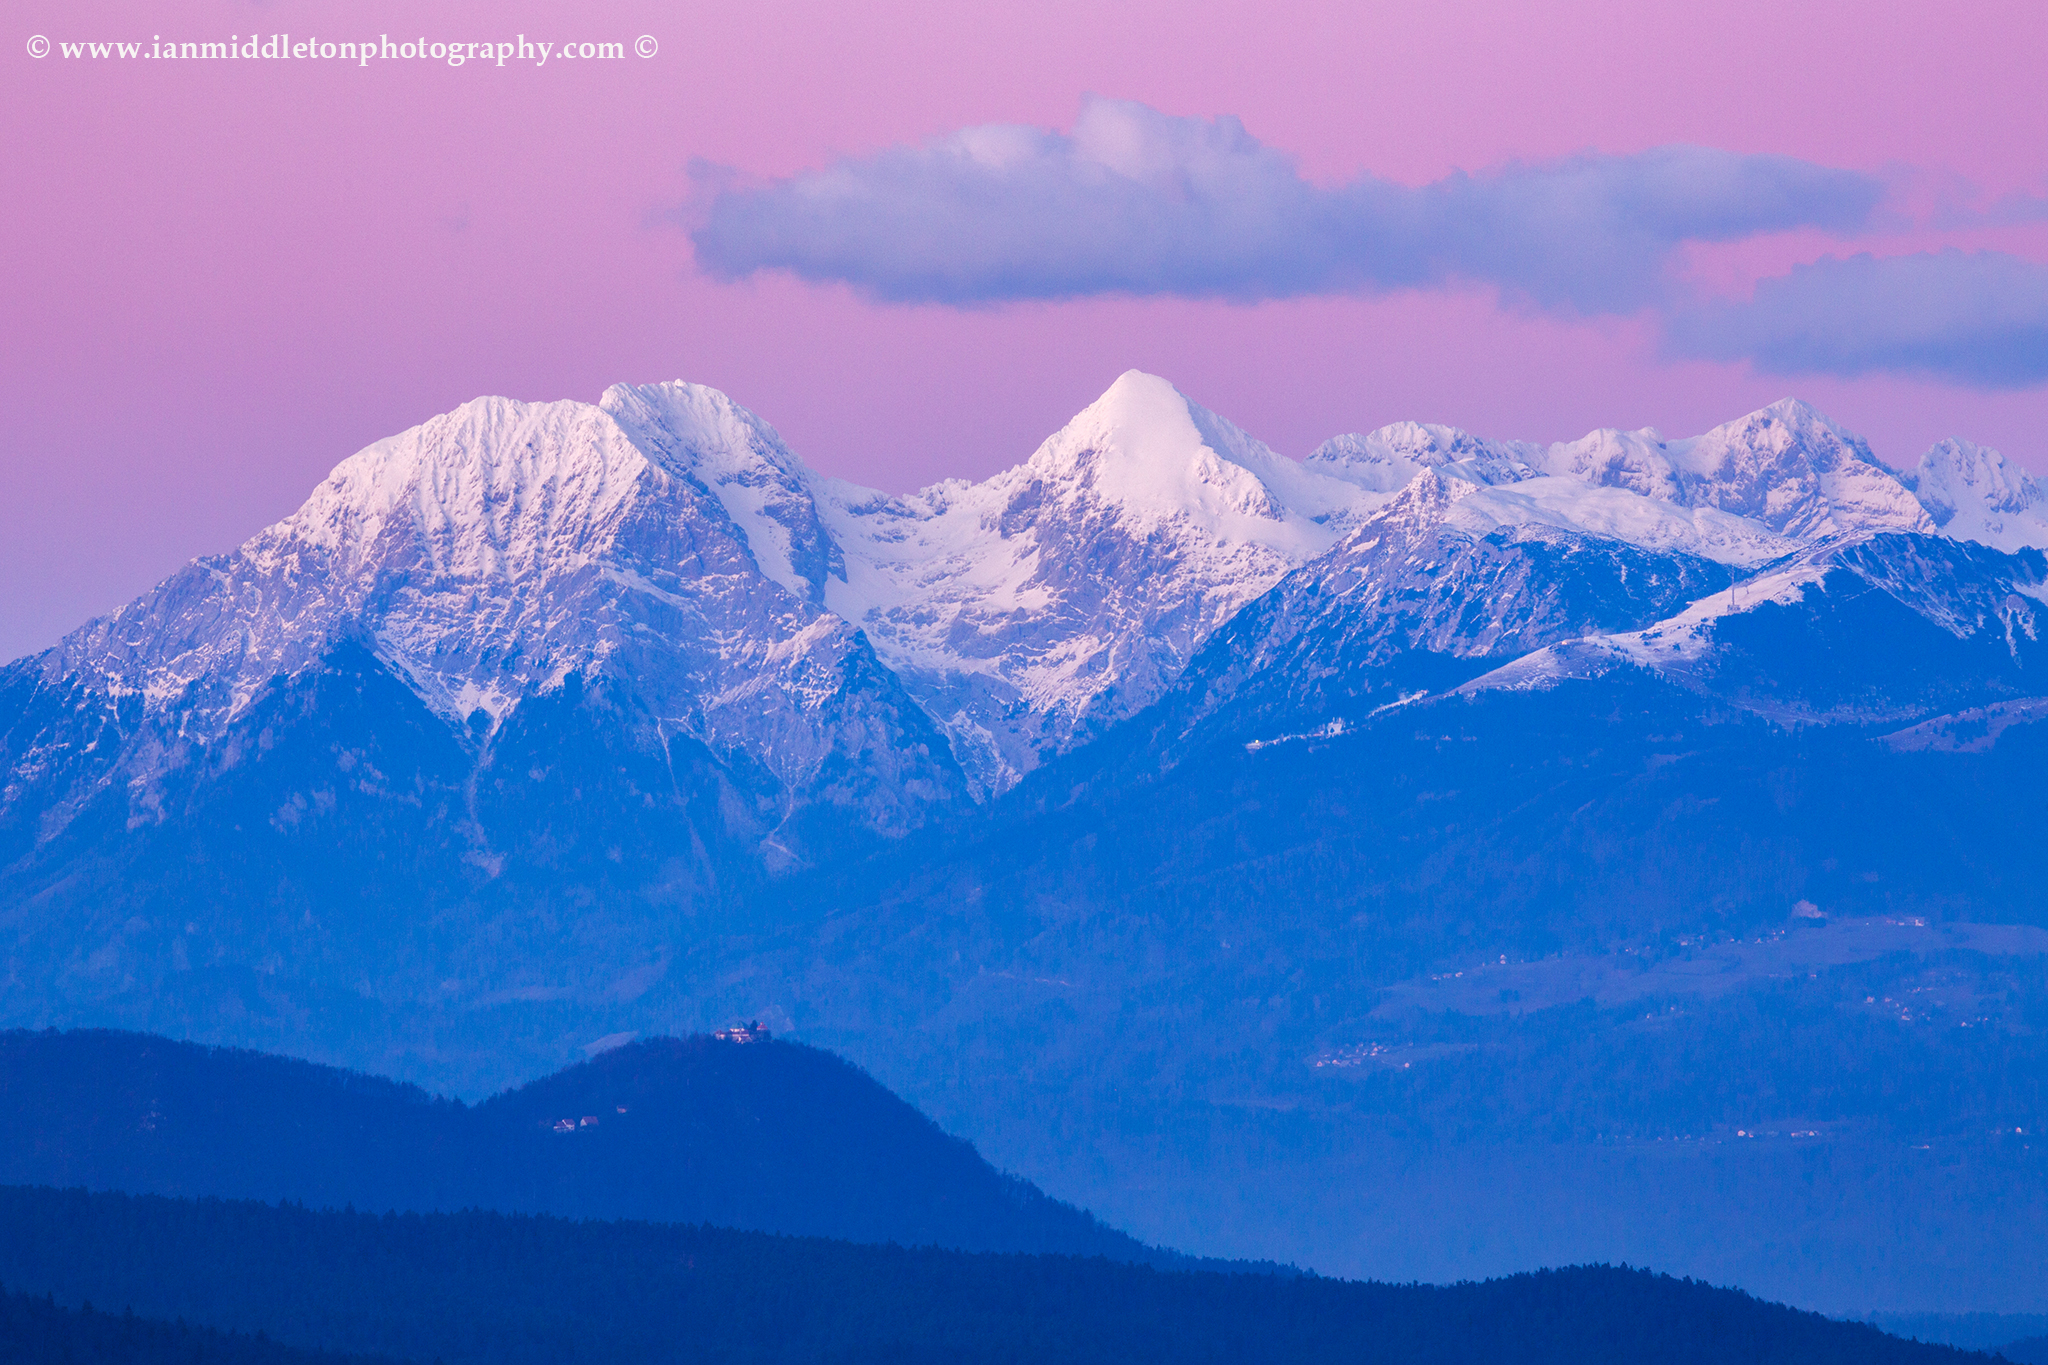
(1422, 593)
(483, 559)
(1058, 597)
(1864, 632)
(1974, 493)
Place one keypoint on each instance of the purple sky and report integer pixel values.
(224, 277)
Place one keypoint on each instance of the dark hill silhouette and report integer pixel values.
(763, 1134)
(510, 1290)
(760, 1134)
(34, 1331)
(130, 1111)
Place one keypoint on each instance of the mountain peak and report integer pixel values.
(442, 544)
(1799, 413)
(1794, 422)
(1148, 448)
(1612, 458)
(485, 556)
(1067, 591)
(694, 427)
(1953, 466)
(695, 432)
(1429, 443)
(1430, 493)
(1974, 493)
(462, 480)
(1385, 460)
(1420, 508)
(1798, 472)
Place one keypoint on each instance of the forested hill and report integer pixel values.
(742, 1131)
(515, 1290)
(39, 1331)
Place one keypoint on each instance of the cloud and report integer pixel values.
(2012, 210)
(1136, 202)
(1974, 318)
(1139, 203)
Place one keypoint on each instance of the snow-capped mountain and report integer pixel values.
(1425, 590)
(1785, 467)
(1974, 493)
(1385, 460)
(1884, 629)
(1787, 471)
(486, 556)
(1031, 609)
(1027, 611)
(1499, 558)
(708, 439)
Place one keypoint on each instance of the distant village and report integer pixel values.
(751, 1032)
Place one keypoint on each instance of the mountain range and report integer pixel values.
(1203, 832)
(809, 636)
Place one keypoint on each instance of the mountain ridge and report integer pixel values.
(475, 551)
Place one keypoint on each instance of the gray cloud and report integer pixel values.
(1137, 202)
(1976, 318)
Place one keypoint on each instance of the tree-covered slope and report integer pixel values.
(476, 1287)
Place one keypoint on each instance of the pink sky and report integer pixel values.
(223, 278)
